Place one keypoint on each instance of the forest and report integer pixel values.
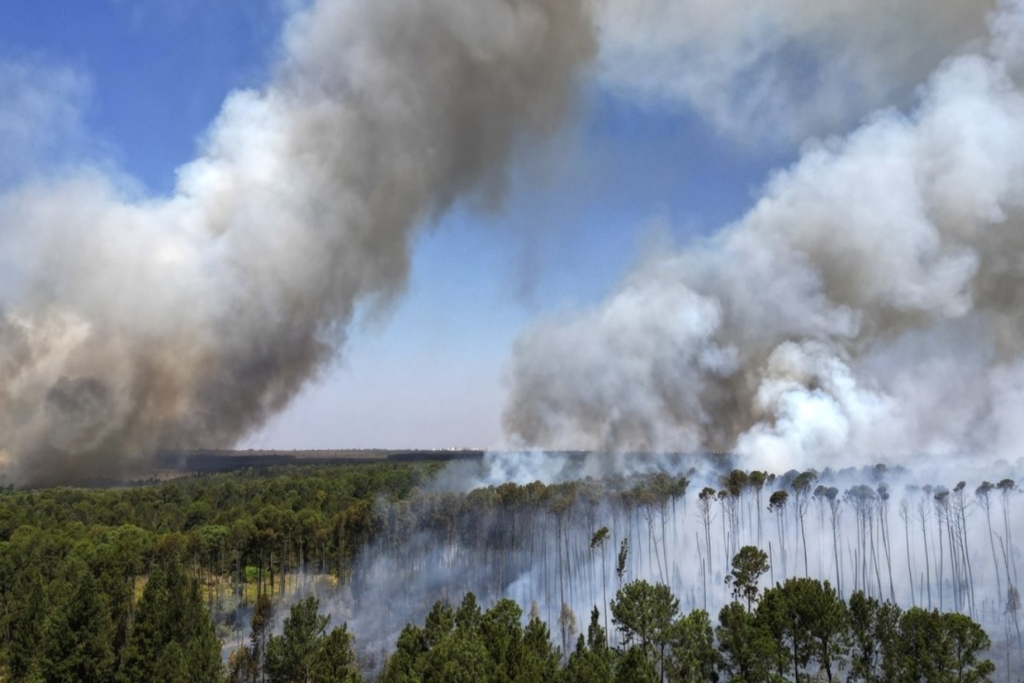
(686, 570)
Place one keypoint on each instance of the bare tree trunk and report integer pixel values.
(922, 516)
(874, 556)
(905, 514)
(991, 539)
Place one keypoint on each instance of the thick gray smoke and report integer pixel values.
(780, 70)
(131, 323)
(870, 305)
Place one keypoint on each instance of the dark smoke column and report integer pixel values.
(147, 323)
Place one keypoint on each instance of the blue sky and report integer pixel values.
(428, 373)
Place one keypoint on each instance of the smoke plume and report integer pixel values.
(780, 70)
(870, 305)
(131, 323)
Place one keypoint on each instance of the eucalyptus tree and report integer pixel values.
(923, 516)
(801, 500)
(666, 491)
(835, 516)
(820, 504)
(622, 560)
(561, 506)
(941, 498)
(757, 480)
(727, 501)
(960, 525)
(704, 501)
(600, 541)
(862, 499)
(1007, 487)
(905, 516)
(883, 523)
(735, 483)
(777, 504)
(983, 495)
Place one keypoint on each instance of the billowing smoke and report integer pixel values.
(870, 305)
(779, 70)
(131, 323)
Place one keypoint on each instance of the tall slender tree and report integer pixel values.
(801, 500)
(983, 495)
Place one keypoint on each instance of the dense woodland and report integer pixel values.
(198, 578)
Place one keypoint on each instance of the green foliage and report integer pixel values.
(305, 653)
(290, 656)
(644, 612)
(620, 564)
(635, 667)
(27, 620)
(77, 638)
(592, 660)
(73, 563)
(967, 639)
(171, 611)
(808, 621)
(540, 656)
(874, 637)
(748, 652)
(941, 647)
(335, 662)
(470, 645)
(749, 564)
(695, 659)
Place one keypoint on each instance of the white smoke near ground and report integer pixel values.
(935, 536)
(131, 323)
(867, 308)
(780, 70)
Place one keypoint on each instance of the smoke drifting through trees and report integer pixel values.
(677, 524)
(129, 323)
(867, 306)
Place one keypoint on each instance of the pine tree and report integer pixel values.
(335, 662)
(28, 619)
(77, 644)
(540, 656)
(695, 659)
(171, 611)
(290, 656)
